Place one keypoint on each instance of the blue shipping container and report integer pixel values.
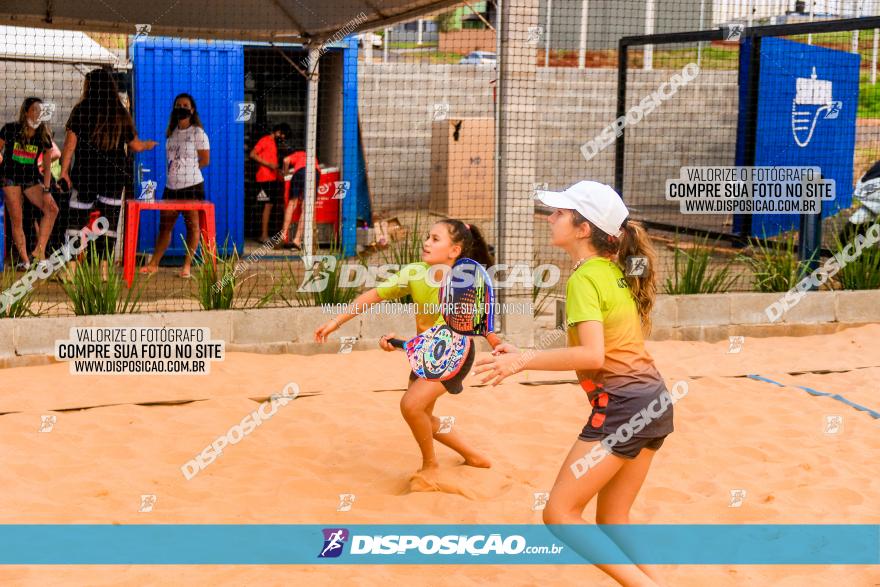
(213, 73)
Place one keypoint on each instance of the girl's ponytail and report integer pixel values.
(638, 260)
(640, 272)
(473, 243)
(479, 248)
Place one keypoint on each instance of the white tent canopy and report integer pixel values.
(280, 20)
(31, 44)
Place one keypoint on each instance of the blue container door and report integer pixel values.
(213, 73)
(808, 99)
(352, 158)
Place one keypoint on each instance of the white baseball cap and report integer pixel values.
(596, 202)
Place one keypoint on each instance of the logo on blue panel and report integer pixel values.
(334, 540)
(813, 98)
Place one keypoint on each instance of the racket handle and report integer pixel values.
(396, 342)
(493, 339)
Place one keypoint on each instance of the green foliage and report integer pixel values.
(218, 284)
(288, 289)
(541, 296)
(407, 250)
(863, 272)
(693, 272)
(449, 21)
(775, 269)
(23, 306)
(92, 294)
(869, 99)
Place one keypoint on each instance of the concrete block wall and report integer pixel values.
(290, 330)
(716, 317)
(275, 330)
(396, 106)
(697, 126)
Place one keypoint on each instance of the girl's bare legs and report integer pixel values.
(14, 207)
(417, 407)
(288, 220)
(264, 225)
(420, 394)
(617, 497)
(300, 229)
(167, 218)
(569, 497)
(453, 440)
(191, 218)
(46, 203)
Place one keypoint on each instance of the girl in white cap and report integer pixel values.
(609, 297)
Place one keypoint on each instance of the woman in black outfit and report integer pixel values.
(98, 130)
(21, 144)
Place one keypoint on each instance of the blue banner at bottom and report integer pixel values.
(232, 544)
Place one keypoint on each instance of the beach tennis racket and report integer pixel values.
(467, 301)
(437, 354)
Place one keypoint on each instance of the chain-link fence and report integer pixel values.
(461, 112)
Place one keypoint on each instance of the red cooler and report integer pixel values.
(326, 205)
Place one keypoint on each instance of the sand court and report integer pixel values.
(116, 438)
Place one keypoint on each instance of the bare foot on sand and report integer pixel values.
(477, 461)
(426, 478)
(427, 467)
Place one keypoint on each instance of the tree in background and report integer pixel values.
(449, 21)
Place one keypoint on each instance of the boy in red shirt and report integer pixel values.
(268, 152)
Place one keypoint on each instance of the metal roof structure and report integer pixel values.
(261, 20)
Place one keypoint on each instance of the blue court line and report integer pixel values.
(874, 414)
(764, 379)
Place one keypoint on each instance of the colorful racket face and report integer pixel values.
(438, 353)
(467, 300)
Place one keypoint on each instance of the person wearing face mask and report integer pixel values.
(187, 152)
(268, 152)
(21, 144)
